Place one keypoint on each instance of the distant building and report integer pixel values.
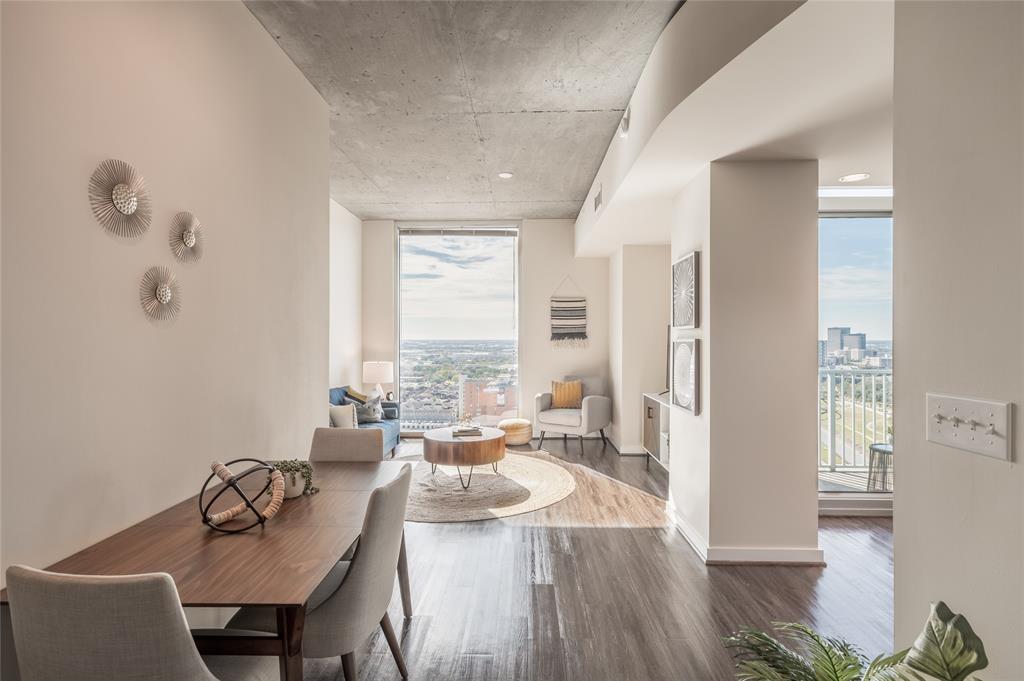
(822, 353)
(486, 401)
(880, 362)
(835, 338)
(853, 341)
(856, 354)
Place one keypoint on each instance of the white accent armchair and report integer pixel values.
(595, 414)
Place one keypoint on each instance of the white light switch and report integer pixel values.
(980, 426)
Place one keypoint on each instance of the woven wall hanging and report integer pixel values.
(568, 318)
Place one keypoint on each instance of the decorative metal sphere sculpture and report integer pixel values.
(160, 293)
(119, 199)
(186, 237)
(275, 485)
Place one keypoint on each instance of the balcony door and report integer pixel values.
(458, 326)
(855, 353)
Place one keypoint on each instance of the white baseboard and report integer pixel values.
(846, 504)
(728, 555)
(692, 537)
(632, 450)
(740, 555)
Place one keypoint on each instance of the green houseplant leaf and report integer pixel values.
(948, 648)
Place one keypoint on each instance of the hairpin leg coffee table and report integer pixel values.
(441, 448)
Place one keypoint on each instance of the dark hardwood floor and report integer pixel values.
(600, 587)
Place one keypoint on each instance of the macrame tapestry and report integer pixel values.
(569, 321)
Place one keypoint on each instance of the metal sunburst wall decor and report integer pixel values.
(160, 293)
(119, 199)
(186, 237)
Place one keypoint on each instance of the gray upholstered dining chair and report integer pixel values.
(594, 414)
(345, 610)
(331, 444)
(334, 444)
(130, 628)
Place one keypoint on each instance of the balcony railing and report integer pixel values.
(855, 412)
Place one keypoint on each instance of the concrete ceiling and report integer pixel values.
(431, 100)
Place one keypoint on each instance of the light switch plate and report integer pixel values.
(979, 426)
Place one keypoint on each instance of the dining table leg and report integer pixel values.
(290, 623)
(403, 579)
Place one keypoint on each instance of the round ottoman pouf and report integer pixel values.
(517, 431)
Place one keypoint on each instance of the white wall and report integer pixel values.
(639, 299)
(689, 435)
(958, 249)
(108, 417)
(380, 326)
(750, 453)
(346, 294)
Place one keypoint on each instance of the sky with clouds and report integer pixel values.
(458, 287)
(463, 288)
(855, 276)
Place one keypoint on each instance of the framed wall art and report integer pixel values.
(686, 291)
(686, 374)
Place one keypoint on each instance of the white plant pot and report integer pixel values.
(291, 491)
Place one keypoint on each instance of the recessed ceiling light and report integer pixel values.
(505, 175)
(855, 177)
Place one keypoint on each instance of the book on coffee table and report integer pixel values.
(466, 431)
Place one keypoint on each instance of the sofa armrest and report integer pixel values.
(542, 402)
(392, 410)
(597, 412)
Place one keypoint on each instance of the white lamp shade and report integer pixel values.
(378, 372)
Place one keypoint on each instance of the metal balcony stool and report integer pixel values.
(879, 464)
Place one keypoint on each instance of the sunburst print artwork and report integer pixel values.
(685, 293)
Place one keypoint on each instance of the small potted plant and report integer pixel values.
(298, 477)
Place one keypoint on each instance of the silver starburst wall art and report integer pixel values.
(186, 237)
(119, 199)
(160, 293)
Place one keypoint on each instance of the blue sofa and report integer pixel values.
(390, 428)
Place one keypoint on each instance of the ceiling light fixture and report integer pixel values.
(855, 177)
(505, 175)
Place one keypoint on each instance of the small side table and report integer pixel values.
(879, 465)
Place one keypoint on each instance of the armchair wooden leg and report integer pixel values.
(389, 634)
(565, 441)
(541, 443)
(581, 444)
(403, 579)
(604, 440)
(348, 665)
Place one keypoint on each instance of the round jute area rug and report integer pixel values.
(523, 483)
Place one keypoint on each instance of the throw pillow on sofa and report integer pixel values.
(371, 412)
(343, 416)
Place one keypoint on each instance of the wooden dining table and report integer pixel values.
(275, 566)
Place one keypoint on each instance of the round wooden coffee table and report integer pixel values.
(441, 448)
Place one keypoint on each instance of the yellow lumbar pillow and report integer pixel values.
(566, 394)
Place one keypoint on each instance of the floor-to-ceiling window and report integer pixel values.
(855, 353)
(458, 350)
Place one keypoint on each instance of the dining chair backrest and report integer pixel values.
(90, 628)
(333, 444)
(345, 620)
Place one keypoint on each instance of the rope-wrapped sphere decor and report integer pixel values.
(160, 293)
(119, 199)
(274, 485)
(186, 237)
